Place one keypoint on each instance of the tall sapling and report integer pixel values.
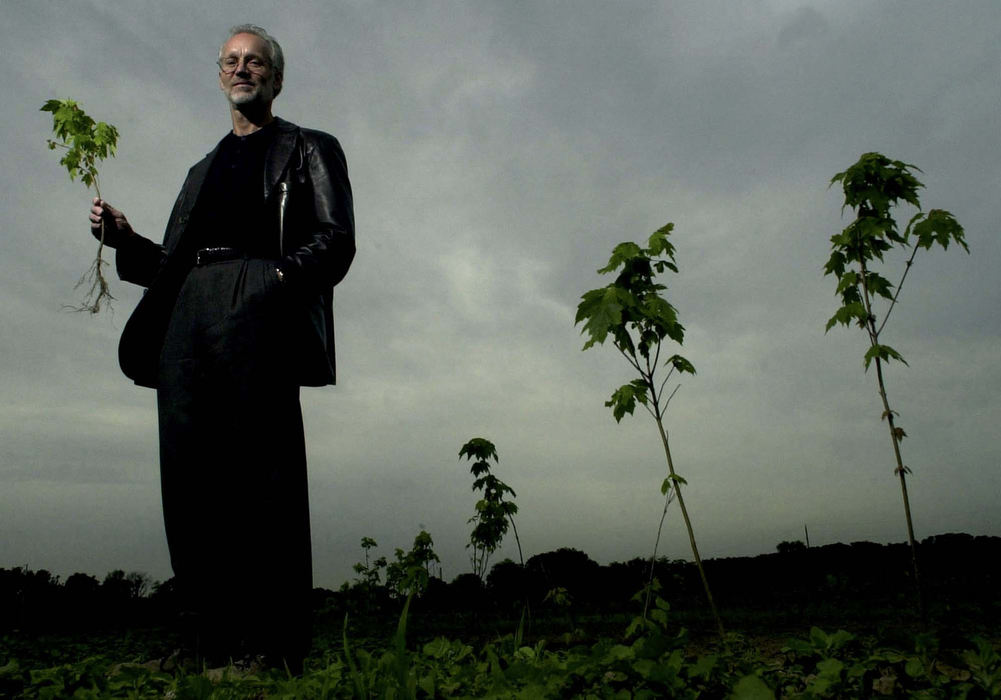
(872, 186)
(632, 311)
(85, 142)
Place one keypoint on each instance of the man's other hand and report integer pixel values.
(116, 227)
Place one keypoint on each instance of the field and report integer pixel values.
(831, 632)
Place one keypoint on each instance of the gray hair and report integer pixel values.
(277, 58)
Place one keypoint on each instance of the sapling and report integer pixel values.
(493, 512)
(638, 319)
(86, 142)
(411, 572)
(872, 186)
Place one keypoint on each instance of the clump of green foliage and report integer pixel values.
(85, 142)
(872, 187)
(409, 573)
(652, 658)
(493, 511)
(633, 313)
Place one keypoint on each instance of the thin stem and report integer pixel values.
(671, 396)
(516, 539)
(901, 470)
(893, 302)
(653, 557)
(691, 533)
(629, 358)
(669, 373)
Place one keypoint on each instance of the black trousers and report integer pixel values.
(233, 464)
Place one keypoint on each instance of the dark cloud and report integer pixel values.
(498, 151)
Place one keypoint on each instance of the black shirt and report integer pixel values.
(231, 210)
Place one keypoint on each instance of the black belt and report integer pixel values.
(207, 256)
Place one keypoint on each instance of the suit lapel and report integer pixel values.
(192, 188)
(279, 155)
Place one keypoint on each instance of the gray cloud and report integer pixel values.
(498, 151)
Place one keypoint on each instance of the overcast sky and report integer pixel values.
(498, 151)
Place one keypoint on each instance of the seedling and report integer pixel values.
(872, 186)
(638, 319)
(86, 142)
(493, 512)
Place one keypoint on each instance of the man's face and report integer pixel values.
(246, 75)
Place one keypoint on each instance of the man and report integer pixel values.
(237, 316)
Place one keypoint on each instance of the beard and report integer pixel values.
(262, 93)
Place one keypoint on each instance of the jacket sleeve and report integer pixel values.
(324, 251)
(139, 259)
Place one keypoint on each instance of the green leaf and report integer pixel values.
(621, 254)
(703, 666)
(624, 399)
(601, 312)
(86, 142)
(884, 352)
(818, 638)
(914, 668)
(830, 668)
(847, 314)
(939, 227)
(848, 279)
(658, 244)
(479, 449)
(878, 285)
(836, 264)
(751, 687)
(681, 364)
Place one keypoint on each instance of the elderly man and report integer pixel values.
(237, 316)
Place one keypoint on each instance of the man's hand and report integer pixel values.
(116, 227)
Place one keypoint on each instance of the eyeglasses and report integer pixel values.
(231, 64)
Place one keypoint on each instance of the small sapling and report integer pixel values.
(85, 142)
(638, 319)
(493, 512)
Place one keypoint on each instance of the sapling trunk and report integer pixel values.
(895, 433)
(688, 522)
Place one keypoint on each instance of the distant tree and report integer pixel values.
(82, 585)
(139, 584)
(116, 588)
(508, 582)
(567, 568)
(467, 592)
(790, 546)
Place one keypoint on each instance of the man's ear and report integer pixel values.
(278, 83)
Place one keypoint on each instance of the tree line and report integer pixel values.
(796, 581)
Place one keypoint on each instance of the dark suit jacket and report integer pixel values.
(306, 187)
